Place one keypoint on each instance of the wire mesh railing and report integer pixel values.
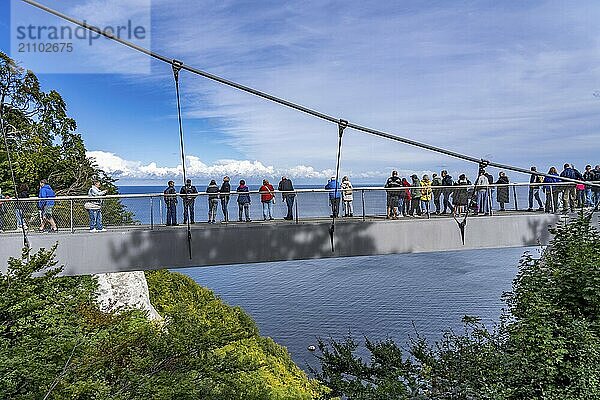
(71, 213)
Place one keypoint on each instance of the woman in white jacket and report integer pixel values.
(347, 197)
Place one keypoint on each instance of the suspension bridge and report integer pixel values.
(127, 248)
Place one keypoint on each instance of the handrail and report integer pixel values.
(314, 190)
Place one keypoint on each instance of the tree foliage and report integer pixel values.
(55, 341)
(43, 144)
(545, 346)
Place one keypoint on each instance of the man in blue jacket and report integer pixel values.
(45, 206)
(334, 196)
(570, 191)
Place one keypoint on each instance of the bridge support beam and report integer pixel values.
(140, 249)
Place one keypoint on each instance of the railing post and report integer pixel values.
(515, 196)
(151, 213)
(552, 199)
(489, 201)
(72, 227)
(160, 211)
(296, 205)
(362, 196)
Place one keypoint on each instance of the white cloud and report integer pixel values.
(136, 171)
(121, 168)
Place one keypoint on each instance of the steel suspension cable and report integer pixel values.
(295, 106)
(335, 206)
(176, 68)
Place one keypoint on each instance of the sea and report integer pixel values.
(379, 297)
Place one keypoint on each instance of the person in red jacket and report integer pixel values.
(267, 198)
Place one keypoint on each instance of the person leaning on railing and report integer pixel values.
(551, 191)
(437, 193)
(588, 176)
(334, 196)
(94, 207)
(224, 191)
(415, 194)
(596, 189)
(425, 194)
(502, 193)
(188, 194)
(460, 197)
(570, 190)
(347, 197)
(393, 196)
(213, 201)
(267, 198)
(243, 201)
(447, 182)
(171, 203)
(286, 187)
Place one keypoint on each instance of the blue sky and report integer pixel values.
(510, 81)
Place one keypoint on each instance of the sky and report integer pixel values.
(513, 82)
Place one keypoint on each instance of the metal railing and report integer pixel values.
(149, 210)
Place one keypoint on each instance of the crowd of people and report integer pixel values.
(405, 196)
(221, 194)
(414, 198)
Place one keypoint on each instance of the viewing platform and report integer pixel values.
(138, 247)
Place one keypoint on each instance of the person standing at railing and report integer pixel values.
(579, 189)
(287, 188)
(551, 191)
(267, 198)
(447, 182)
(437, 193)
(224, 196)
(589, 176)
(407, 198)
(243, 201)
(393, 196)
(94, 207)
(460, 197)
(490, 192)
(415, 195)
(502, 192)
(188, 195)
(347, 197)
(21, 207)
(426, 194)
(45, 206)
(569, 191)
(534, 189)
(171, 203)
(334, 196)
(482, 184)
(213, 201)
(596, 189)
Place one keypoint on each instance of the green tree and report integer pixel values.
(55, 342)
(545, 346)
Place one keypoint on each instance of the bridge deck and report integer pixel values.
(139, 248)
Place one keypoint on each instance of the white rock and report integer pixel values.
(125, 290)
